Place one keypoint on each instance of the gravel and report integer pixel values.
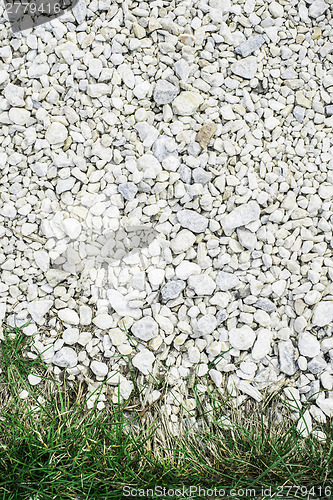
(166, 197)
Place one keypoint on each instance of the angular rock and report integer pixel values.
(205, 325)
(323, 313)
(145, 329)
(201, 176)
(245, 68)
(71, 336)
(251, 391)
(202, 284)
(66, 357)
(72, 228)
(265, 304)
(128, 190)
(186, 269)
(241, 216)
(69, 316)
(172, 289)
(103, 321)
(317, 8)
(56, 276)
(287, 355)
(79, 11)
(262, 345)
(308, 345)
(216, 377)
(205, 134)
(38, 308)
(98, 368)
(187, 103)
(183, 241)
(120, 304)
(164, 92)
(226, 281)
(56, 133)
(143, 361)
(317, 365)
(164, 147)
(242, 338)
(250, 45)
(193, 221)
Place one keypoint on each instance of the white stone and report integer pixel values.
(323, 313)
(156, 277)
(126, 387)
(245, 68)
(193, 221)
(69, 316)
(72, 228)
(250, 45)
(42, 259)
(172, 289)
(56, 276)
(279, 287)
(226, 281)
(79, 10)
(24, 394)
(187, 103)
(240, 216)
(38, 308)
(103, 321)
(202, 284)
(143, 361)
(186, 269)
(95, 67)
(56, 133)
(216, 377)
(276, 9)
(145, 329)
(227, 112)
(271, 123)
(98, 89)
(98, 368)
(262, 345)
(85, 315)
(326, 405)
(251, 391)
(66, 357)
(262, 318)
(71, 336)
(308, 345)
(19, 116)
(149, 165)
(317, 8)
(304, 425)
(242, 338)
(120, 304)
(205, 325)
(194, 355)
(183, 241)
(34, 379)
(287, 354)
(164, 92)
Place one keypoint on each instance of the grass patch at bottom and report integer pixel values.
(52, 447)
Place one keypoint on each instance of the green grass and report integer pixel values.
(52, 447)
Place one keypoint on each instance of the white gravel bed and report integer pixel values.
(166, 196)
